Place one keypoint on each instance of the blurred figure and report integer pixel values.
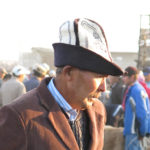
(146, 72)
(38, 73)
(113, 108)
(7, 77)
(14, 87)
(116, 90)
(137, 109)
(114, 115)
(52, 73)
(141, 80)
(47, 69)
(3, 72)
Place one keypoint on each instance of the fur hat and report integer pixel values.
(83, 45)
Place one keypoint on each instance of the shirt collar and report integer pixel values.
(71, 113)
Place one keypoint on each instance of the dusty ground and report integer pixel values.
(114, 140)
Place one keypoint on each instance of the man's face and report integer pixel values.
(127, 80)
(86, 86)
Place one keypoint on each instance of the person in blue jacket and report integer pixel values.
(137, 109)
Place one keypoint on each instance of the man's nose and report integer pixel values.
(102, 86)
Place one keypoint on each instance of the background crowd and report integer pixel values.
(21, 80)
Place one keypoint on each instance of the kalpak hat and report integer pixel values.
(83, 45)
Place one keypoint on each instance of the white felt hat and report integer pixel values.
(83, 44)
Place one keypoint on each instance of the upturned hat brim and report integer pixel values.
(85, 59)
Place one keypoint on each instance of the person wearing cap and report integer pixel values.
(64, 112)
(3, 72)
(14, 87)
(38, 73)
(137, 111)
(146, 72)
(2, 75)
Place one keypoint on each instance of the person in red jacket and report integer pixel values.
(141, 79)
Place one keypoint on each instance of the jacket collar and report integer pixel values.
(56, 117)
(60, 122)
(97, 118)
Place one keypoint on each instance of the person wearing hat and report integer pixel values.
(2, 75)
(3, 72)
(146, 72)
(64, 112)
(137, 111)
(38, 73)
(14, 87)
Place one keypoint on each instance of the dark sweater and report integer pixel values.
(80, 128)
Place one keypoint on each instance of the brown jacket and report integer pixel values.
(36, 122)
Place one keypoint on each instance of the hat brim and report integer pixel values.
(85, 59)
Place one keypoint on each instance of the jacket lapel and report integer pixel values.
(56, 117)
(63, 129)
(97, 118)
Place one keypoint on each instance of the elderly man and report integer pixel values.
(64, 112)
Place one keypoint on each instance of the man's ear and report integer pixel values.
(67, 72)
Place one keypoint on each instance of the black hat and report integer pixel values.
(83, 45)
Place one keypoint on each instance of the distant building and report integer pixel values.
(37, 55)
(124, 59)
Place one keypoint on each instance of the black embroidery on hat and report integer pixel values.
(95, 34)
(99, 37)
(76, 31)
(69, 33)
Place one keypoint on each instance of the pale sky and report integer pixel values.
(35, 23)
